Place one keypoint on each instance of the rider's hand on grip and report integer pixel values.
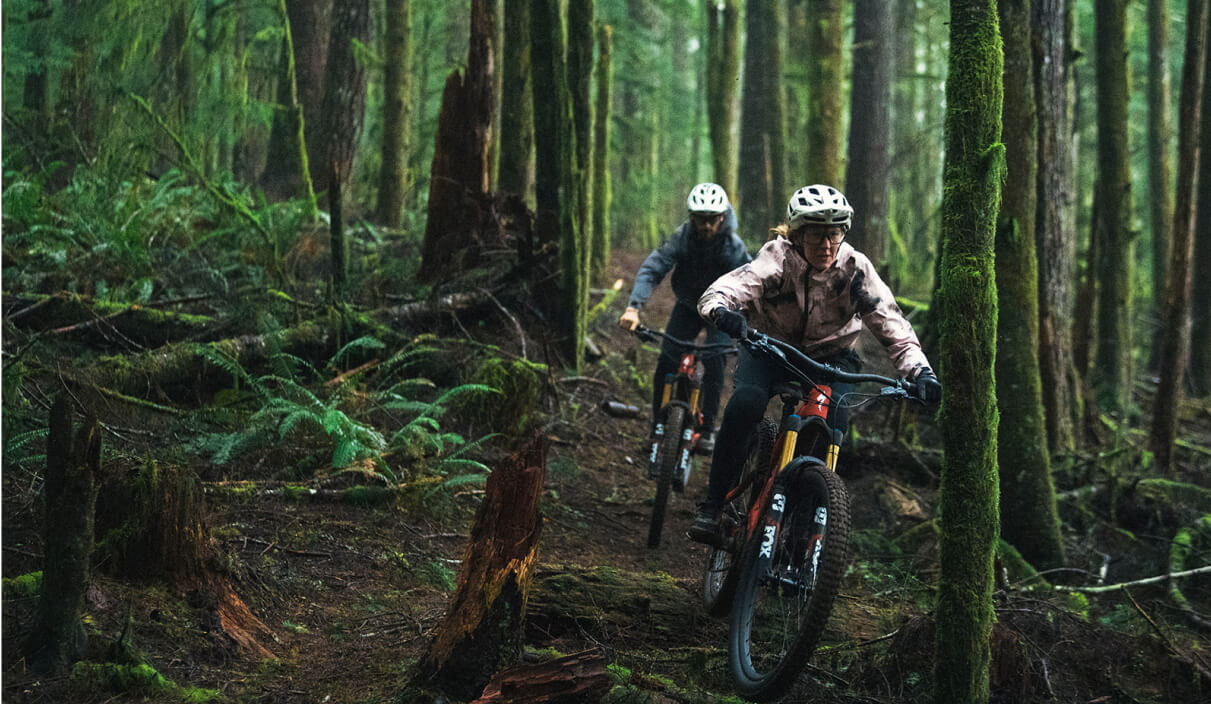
(629, 319)
(929, 389)
(731, 322)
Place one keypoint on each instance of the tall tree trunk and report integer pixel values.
(1160, 159)
(968, 419)
(300, 96)
(1029, 520)
(72, 469)
(1054, 234)
(35, 97)
(825, 78)
(555, 178)
(763, 192)
(397, 103)
(906, 133)
(601, 155)
(1200, 299)
(1175, 338)
(870, 129)
(722, 76)
(1112, 359)
(580, 79)
(516, 171)
(460, 156)
(344, 93)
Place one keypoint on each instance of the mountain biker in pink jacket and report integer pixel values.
(809, 288)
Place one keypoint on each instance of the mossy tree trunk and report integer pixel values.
(1160, 158)
(870, 129)
(460, 169)
(968, 499)
(601, 155)
(1055, 232)
(825, 78)
(482, 631)
(762, 188)
(1175, 338)
(556, 181)
(1200, 300)
(344, 94)
(72, 469)
(1111, 373)
(397, 110)
(516, 171)
(1029, 520)
(580, 83)
(722, 77)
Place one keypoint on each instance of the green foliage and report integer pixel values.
(438, 574)
(139, 680)
(519, 386)
(22, 586)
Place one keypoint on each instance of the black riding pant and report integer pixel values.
(754, 384)
(685, 324)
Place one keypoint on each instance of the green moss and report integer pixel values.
(23, 586)
(366, 495)
(1077, 603)
(295, 492)
(139, 680)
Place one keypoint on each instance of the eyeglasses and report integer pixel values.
(815, 235)
(701, 220)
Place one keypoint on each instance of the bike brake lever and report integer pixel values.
(896, 391)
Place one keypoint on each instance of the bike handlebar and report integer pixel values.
(800, 365)
(650, 335)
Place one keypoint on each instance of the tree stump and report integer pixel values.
(482, 629)
(59, 638)
(579, 678)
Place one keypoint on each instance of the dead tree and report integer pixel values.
(579, 678)
(482, 630)
(59, 639)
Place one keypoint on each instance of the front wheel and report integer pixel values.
(719, 579)
(666, 463)
(788, 580)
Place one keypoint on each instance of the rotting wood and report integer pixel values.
(482, 629)
(579, 678)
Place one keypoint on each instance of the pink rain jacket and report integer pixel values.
(821, 312)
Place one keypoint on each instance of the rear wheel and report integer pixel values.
(782, 606)
(666, 461)
(719, 579)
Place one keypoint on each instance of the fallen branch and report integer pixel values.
(1202, 670)
(1150, 580)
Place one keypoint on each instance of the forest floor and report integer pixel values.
(350, 593)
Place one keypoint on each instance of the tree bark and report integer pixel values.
(602, 195)
(397, 113)
(1055, 235)
(762, 191)
(516, 172)
(579, 678)
(1200, 299)
(869, 130)
(1112, 359)
(1160, 158)
(483, 626)
(580, 80)
(72, 470)
(344, 94)
(460, 169)
(825, 79)
(1175, 333)
(968, 419)
(1029, 519)
(722, 77)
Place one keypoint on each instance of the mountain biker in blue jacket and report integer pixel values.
(701, 250)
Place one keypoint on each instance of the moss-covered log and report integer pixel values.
(967, 296)
(482, 630)
(72, 469)
(103, 323)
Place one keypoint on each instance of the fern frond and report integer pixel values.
(293, 418)
(464, 480)
(365, 342)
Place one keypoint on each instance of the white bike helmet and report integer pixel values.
(707, 199)
(818, 205)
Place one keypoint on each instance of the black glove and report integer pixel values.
(929, 389)
(731, 322)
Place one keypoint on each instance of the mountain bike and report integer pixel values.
(677, 425)
(785, 538)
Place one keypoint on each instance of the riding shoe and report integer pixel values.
(706, 528)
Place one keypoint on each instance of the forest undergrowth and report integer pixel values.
(325, 451)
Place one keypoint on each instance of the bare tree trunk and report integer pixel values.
(393, 181)
(516, 172)
(1160, 161)
(762, 188)
(1175, 339)
(344, 93)
(1200, 331)
(722, 77)
(601, 155)
(72, 470)
(825, 76)
(870, 129)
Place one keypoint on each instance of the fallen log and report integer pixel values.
(103, 323)
(482, 630)
(579, 678)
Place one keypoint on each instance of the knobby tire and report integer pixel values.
(666, 459)
(719, 579)
(774, 627)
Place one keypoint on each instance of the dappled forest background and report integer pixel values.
(284, 255)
